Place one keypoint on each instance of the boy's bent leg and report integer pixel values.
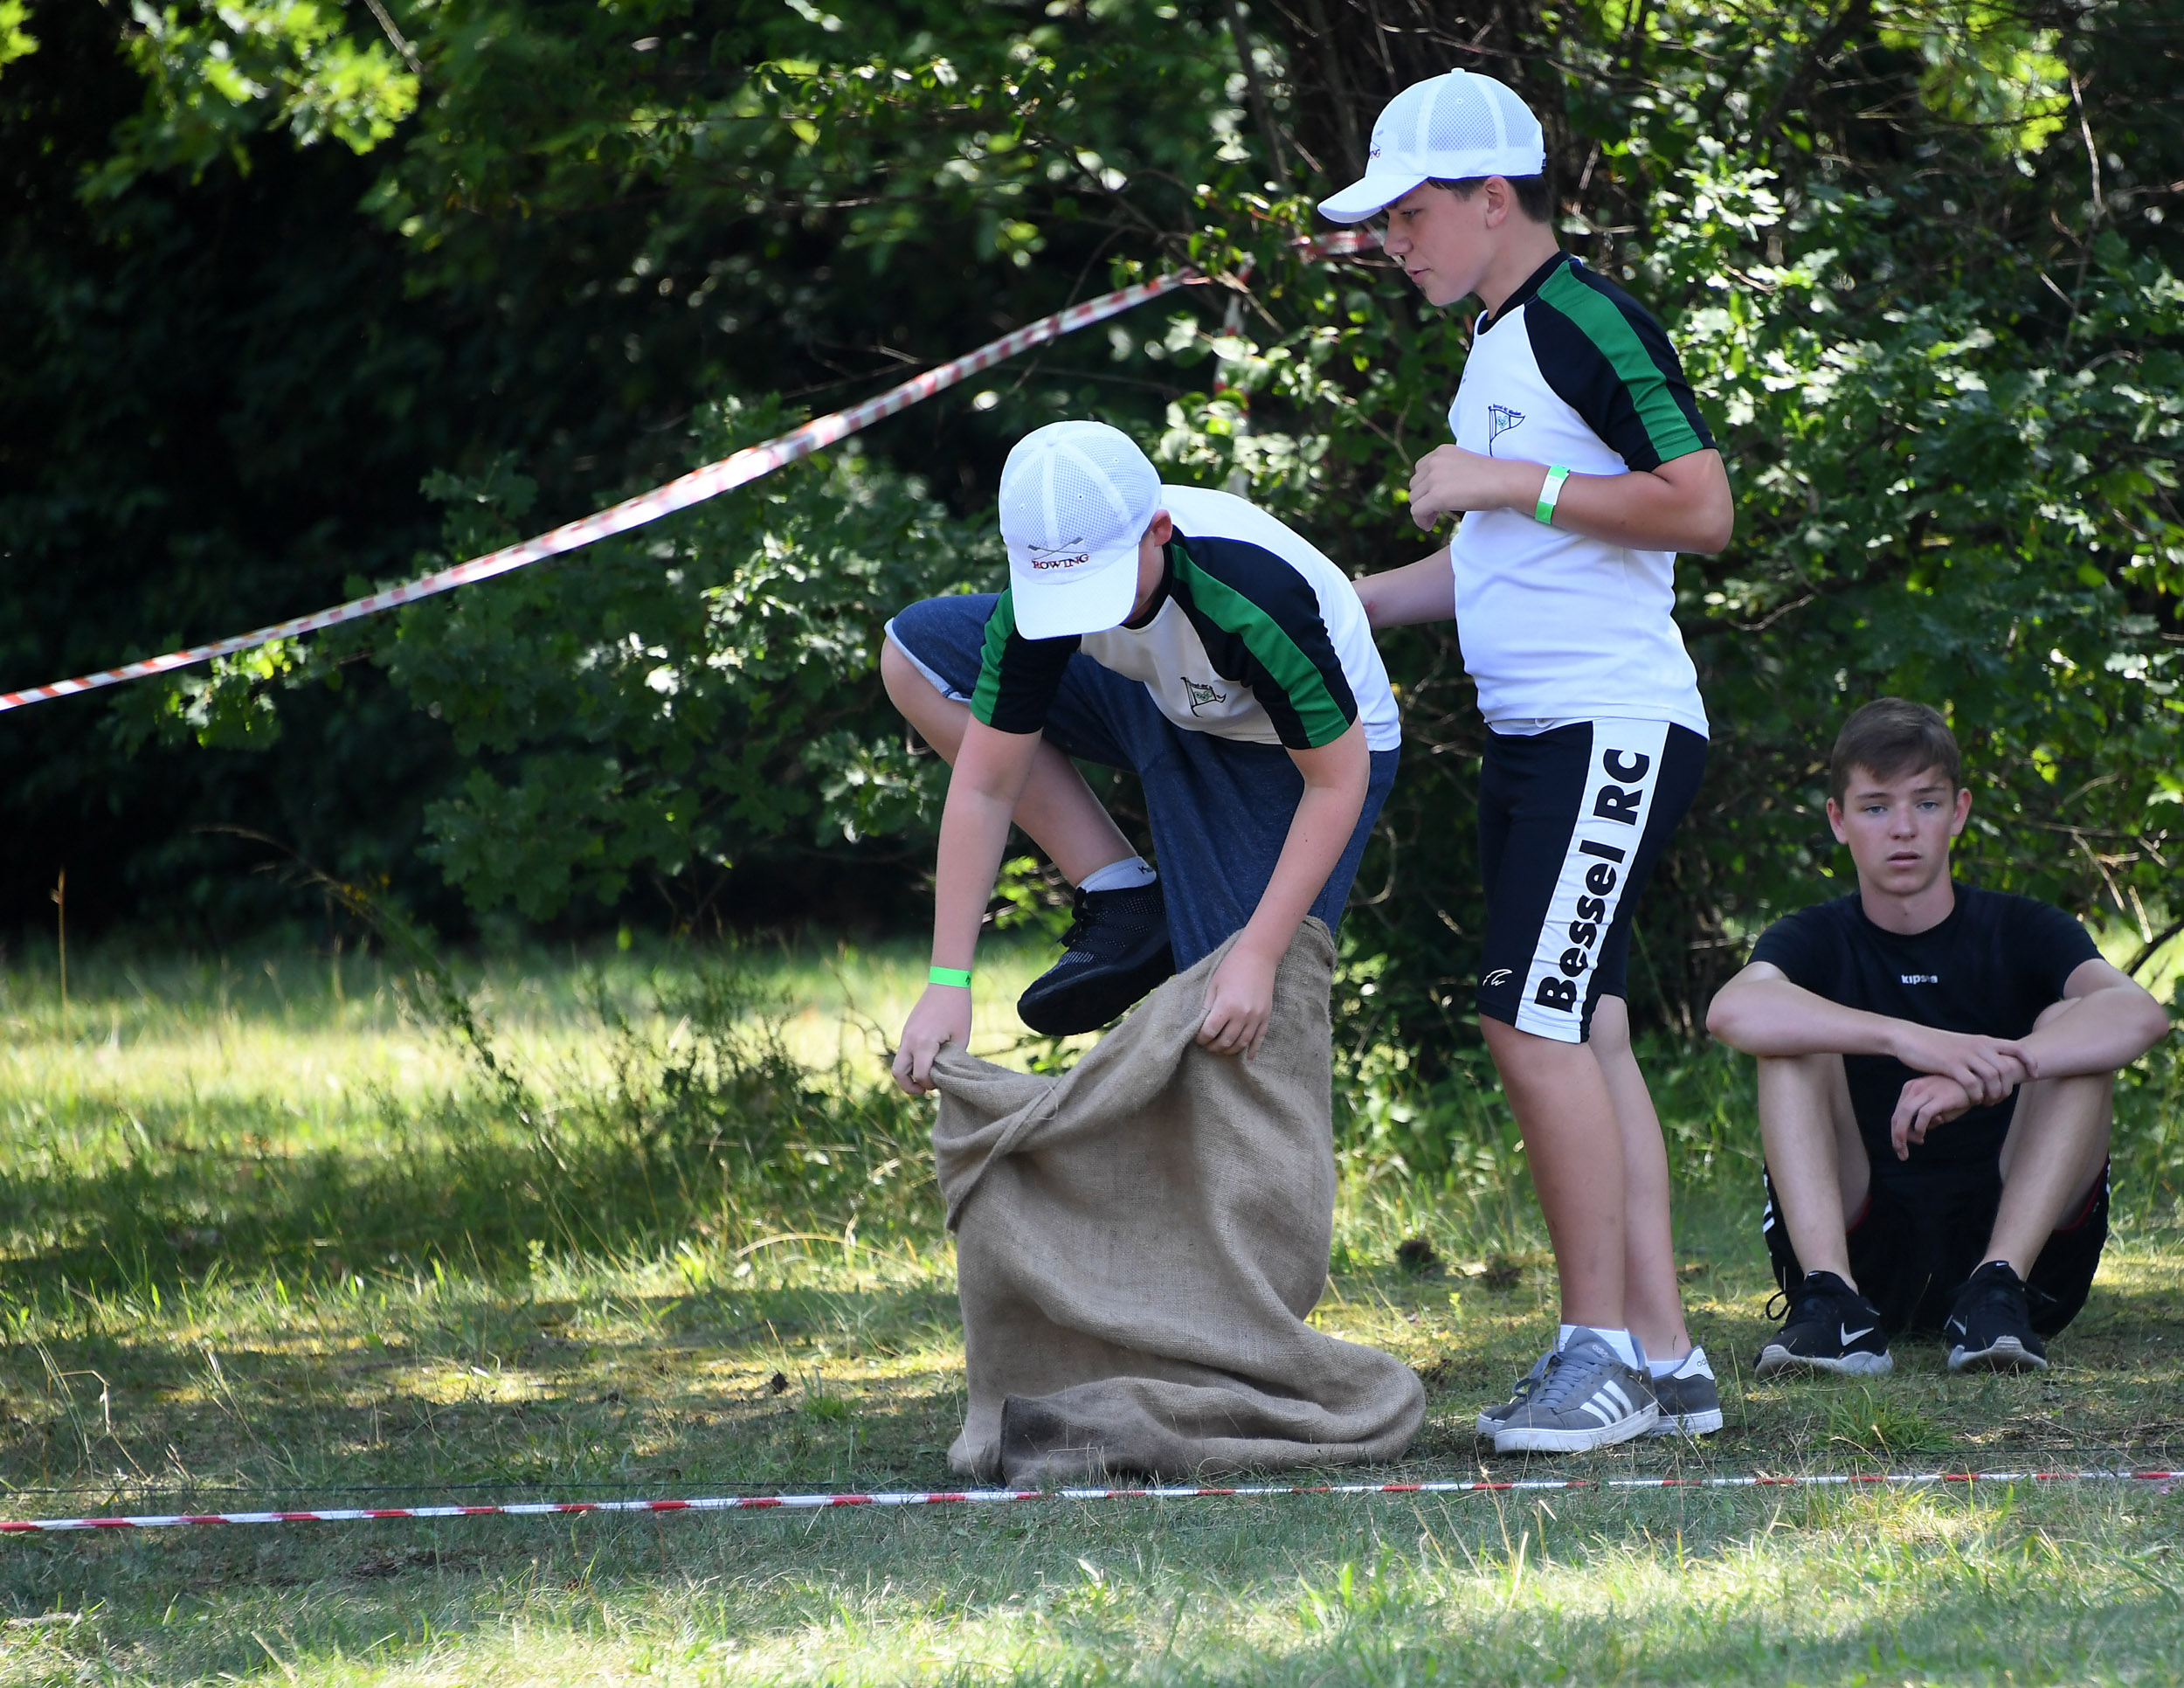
(930, 686)
(1653, 1303)
(2051, 1160)
(1816, 1160)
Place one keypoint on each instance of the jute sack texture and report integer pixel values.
(1139, 1240)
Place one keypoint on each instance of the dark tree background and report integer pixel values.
(407, 288)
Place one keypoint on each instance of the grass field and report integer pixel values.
(270, 1239)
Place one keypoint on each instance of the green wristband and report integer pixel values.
(1548, 493)
(959, 977)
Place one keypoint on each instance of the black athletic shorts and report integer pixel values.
(1921, 1237)
(1571, 822)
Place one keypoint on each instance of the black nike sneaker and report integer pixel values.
(1115, 949)
(1989, 1329)
(1830, 1328)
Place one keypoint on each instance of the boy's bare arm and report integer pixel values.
(1761, 1012)
(2111, 1022)
(1685, 505)
(1239, 996)
(983, 788)
(1424, 590)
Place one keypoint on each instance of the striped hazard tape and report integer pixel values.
(987, 1497)
(738, 469)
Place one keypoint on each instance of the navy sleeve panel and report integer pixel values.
(1259, 621)
(2047, 944)
(1018, 677)
(1609, 361)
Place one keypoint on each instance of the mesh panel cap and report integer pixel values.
(1460, 125)
(1075, 499)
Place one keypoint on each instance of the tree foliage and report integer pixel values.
(1919, 255)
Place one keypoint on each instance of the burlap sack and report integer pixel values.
(1138, 1241)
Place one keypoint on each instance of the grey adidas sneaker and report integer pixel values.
(1491, 1418)
(1690, 1399)
(1590, 1399)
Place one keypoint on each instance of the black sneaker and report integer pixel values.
(1115, 949)
(1830, 1328)
(1989, 1328)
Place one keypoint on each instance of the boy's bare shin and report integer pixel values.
(1815, 1158)
(1652, 1304)
(2058, 1144)
(1575, 1150)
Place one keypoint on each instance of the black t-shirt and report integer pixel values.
(1992, 967)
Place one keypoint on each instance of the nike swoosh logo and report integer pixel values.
(1851, 1336)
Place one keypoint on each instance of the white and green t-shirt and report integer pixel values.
(1254, 635)
(1556, 628)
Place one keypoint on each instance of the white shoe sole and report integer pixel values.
(1689, 1424)
(1531, 1439)
(1773, 1357)
(2007, 1355)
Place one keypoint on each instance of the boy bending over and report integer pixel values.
(1184, 635)
(1937, 1066)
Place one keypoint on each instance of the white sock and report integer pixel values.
(1671, 1367)
(1124, 875)
(1624, 1344)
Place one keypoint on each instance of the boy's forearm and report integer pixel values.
(1319, 832)
(2101, 1032)
(1684, 505)
(1774, 1017)
(1424, 590)
(990, 772)
(973, 833)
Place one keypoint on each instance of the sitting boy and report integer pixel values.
(1937, 1069)
(1184, 635)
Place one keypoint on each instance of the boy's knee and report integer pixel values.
(1610, 1032)
(900, 676)
(1810, 1075)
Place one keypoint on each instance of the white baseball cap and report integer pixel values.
(1454, 127)
(1076, 497)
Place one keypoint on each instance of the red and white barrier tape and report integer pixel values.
(738, 469)
(977, 1497)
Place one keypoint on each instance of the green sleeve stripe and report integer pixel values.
(1322, 718)
(1599, 320)
(986, 695)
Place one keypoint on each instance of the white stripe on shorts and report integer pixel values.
(939, 684)
(1623, 773)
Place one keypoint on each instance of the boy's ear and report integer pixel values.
(1963, 812)
(1835, 821)
(1162, 528)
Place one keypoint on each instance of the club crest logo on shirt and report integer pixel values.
(1201, 695)
(1499, 420)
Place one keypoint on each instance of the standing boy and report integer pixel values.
(1188, 636)
(1581, 467)
(1937, 1079)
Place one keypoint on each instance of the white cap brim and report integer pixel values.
(1368, 197)
(1094, 596)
